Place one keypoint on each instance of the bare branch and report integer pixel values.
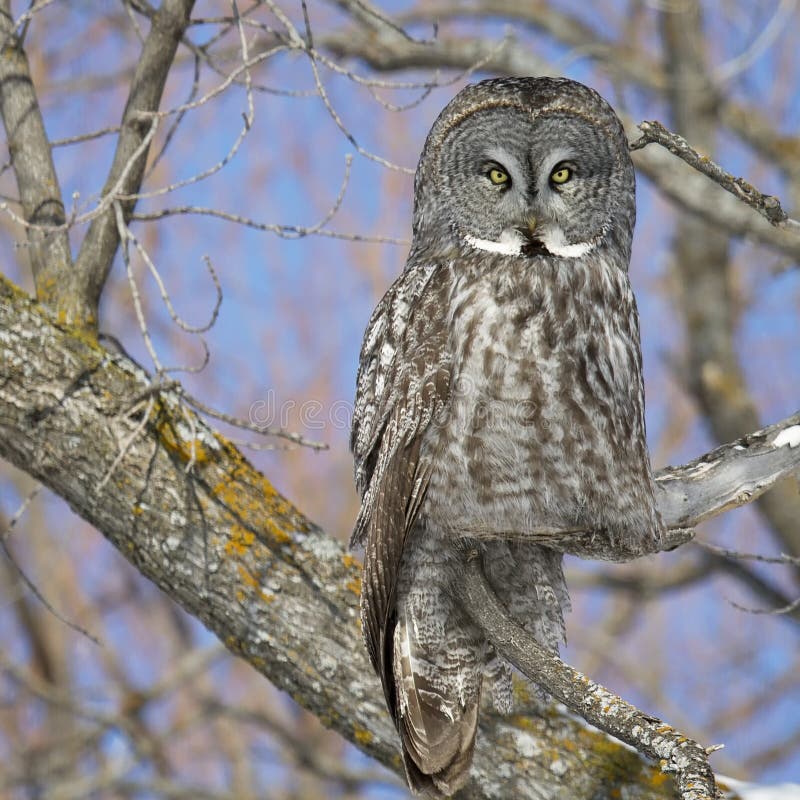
(730, 476)
(32, 160)
(709, 204)
(387, 51)
(783, 558)
(785, 609)
(756, 582)
(102, 239)
(283, 231)
(5, 530)
(36, 592)
(674, 752)
(768, 206)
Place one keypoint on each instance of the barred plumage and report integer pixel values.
(499, 396)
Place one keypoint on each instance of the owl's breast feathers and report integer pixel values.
(494, 395)
(544, 426)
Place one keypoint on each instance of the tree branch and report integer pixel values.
(693, 193)
(130, 158)
(222, 543)
(37, 182)
(702, 263)
(767, 206)
(729, 476)
(676, 753)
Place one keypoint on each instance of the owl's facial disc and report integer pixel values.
(502, 168)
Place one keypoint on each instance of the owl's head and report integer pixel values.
(526, 166)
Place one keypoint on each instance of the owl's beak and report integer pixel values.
(533, 245)
(527, 227)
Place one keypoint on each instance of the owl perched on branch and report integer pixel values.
(499, 400)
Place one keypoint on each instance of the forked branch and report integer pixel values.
(147, 86)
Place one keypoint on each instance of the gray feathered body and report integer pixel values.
(499, 399)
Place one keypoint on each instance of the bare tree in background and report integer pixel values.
(178, 141)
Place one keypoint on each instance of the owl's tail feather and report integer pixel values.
(437, 731)
(454, 773)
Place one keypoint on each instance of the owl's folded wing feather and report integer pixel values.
(403, 384)
(397, 322)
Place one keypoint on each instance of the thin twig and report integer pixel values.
(783, 558)
(332, 111)
(19, 513)
(128, 443)
(34, 590)
(787, 609)
(768, 206)
(124, 234)
(283, 231)
(296, 438)
(179, 321)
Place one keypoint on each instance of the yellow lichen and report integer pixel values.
(361, 735)
(523, 722)
(658, 779)
(521, 689)
(187, 451)
(250, 580)
(351, 562)
(664, 729)
(240, 540)
(253, 501)
(277, 533)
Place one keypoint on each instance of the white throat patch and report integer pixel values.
(511, 243)
(553, 239)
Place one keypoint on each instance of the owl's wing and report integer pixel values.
(403, 383)
(401, 344)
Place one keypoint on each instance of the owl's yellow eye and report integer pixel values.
(497, 176)
(560, 175)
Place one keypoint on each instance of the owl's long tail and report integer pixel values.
(439, 657)
(437, 731)
(438, 660)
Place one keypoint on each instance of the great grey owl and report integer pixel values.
(499, 396)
